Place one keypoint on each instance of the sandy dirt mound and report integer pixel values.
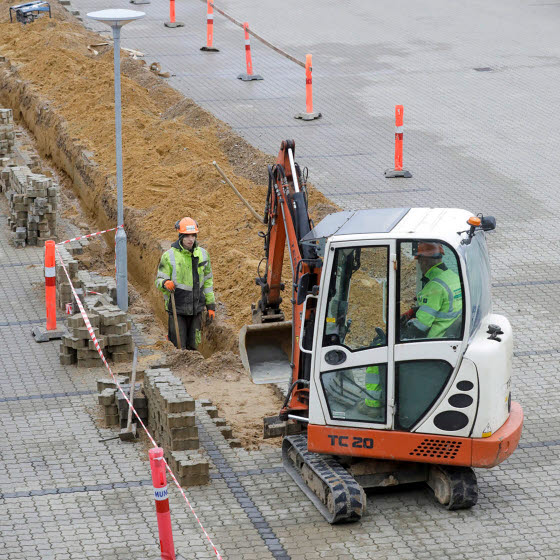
(63, 93)
(168, 146)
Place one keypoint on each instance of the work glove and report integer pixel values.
(211, 315)
(405, 317)
(169, 285)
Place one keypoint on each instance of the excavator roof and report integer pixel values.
(353, 222)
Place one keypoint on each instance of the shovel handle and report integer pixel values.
(177, 335)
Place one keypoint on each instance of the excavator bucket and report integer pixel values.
(265, 351)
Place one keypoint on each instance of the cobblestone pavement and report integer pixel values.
(481, 129)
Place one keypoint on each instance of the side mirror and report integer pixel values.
(302, 288)
(488, 223)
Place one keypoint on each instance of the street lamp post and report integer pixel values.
(116, 19)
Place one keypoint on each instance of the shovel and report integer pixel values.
(177, 335)
(129, 433)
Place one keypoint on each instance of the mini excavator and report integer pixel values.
(386, 387)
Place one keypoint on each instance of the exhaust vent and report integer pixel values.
(440, 448)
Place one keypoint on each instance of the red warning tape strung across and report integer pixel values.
(100, 352)
(89, 235)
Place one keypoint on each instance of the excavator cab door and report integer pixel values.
(355, 333)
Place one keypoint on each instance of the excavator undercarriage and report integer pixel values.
(336, 485)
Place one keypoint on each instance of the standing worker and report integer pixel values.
(184, 271)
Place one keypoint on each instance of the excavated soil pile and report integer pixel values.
(168, 146)
(63, 93)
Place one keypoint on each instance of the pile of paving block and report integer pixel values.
(7, 133)
(112, 330)
(93, 289)
(171, 421)
(33, 202)
(115, 407)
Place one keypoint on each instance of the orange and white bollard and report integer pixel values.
(209, 28)
(309, 115)
(159, 481)
(398, 171)
(172, 22)
(43, 334)
(249, 76)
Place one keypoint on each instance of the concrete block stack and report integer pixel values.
(106, 397)
(7, 133)
(33, 204)
(171, 420)
(63, 290)
(112, 330)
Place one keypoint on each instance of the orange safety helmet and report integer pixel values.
(186, 226)
(428, 249)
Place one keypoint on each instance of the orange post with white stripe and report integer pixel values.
(50, 284)
(172, 22)
(159, 481)
(309, 115)
(209, 28)
(398, 171)
(248, 76)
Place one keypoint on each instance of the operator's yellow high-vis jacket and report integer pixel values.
(440, 302)
(192, 275)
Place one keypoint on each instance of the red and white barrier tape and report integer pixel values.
(153, 442)
(89, 235)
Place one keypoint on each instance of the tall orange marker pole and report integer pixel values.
(41, 333)
(398, 171)
(172, 22)
(209, 28)
(249, 76)
(309, 115)
(159, 481)
(50, 284)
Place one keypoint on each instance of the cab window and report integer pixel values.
(357, 299)
(430, 292)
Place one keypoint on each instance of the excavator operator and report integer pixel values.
(440, 301)
(184, 271)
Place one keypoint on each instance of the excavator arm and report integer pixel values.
(287, 219)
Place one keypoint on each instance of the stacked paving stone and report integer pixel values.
(111, 327)
(7, 133)
(171, 420)
(93, 289)
(33, 202)
(106, 397)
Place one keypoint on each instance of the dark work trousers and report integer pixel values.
(189, 330)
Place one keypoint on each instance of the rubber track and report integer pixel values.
(348, 497)
(464, 489)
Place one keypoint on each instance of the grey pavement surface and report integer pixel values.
(482, 140)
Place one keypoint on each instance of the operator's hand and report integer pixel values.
(407, 316)
(211, 315)
(169, 285)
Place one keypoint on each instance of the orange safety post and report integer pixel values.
(398, 171)
(249, 76)
(50, 284)
(159, 481)
(209, 28)
(172, 22)
(50, 332)
(309, 115)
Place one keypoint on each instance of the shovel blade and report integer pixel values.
(265, 351)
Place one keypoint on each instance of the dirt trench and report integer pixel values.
(63, 94)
